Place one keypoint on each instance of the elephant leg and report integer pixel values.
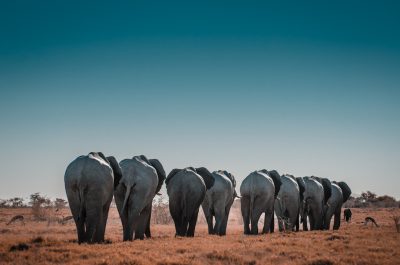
(245, 208)
(147, 232)
(177, 216)
(268, 222)
(272, 224)
(225, 221)
(208, 215)
(80, 228)
(336, 223)
(100, 232)
(192, 223)
(93, 222)
(297, 223)
(254, 220)
(312, 222)
(143, 222)
(305, 223)
(219, 218)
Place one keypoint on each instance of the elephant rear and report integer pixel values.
(89, 188)
(186, 191)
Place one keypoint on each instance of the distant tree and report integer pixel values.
(38, 203)
(3, 203)
(368, 196)
(60, 203)
(16, 202)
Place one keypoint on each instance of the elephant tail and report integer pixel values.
(251, 205)
(82, 203)
(127, 193)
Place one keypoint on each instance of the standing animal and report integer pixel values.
(218, 201)
(340, 194)
(186, 190)
(258, 192)
(313, 204)
(287, 203)
(89, 182)
(141, 179)
(347, 214)
(369, 219)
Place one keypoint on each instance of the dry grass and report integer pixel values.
(53, 243)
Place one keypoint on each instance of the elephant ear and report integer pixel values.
(207, 176)
(345, 190)
(160, 172)
(277, 180)
(171, 174)
(116, 170)
(302, 187)
(327, 188)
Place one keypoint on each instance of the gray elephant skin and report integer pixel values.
(89, 182)
(218, 201)
(186, 191)
(141, 179)
(340, 194)
(287, 203)
(313, 204)
(258, 192)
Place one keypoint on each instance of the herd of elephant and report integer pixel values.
(92, 180)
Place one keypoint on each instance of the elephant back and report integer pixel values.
(276, 178)
(171, 175)
(229, 176)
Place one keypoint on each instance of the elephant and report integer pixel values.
(218, 201)
(313, 204)
(287, 203)
(258, 192)
(186, 190)
(347, 214)
(141, 179)
(340, 194)
(89, 181)
(302, 217)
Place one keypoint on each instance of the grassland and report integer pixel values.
(53, 243)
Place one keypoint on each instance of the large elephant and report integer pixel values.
(141, 179)
(258, 192)
(218, 201)
(340, 194)
(186, 190)
(89, 182)
(287, 203)
(313, 204)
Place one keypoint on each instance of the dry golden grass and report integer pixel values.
(354, 243)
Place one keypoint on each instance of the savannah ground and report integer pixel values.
(51, 242)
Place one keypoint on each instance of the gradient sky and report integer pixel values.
(307, 89)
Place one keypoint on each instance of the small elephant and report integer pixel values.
(258, 192)
(347, 214)
(186, 190)
(218, 201)
(141, 179)
(89, 182)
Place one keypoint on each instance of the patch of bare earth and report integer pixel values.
(50, 243)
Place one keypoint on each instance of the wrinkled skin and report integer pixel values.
(186, 190)
(134, 195)
(257, 197)
(89, 187)
(218, 201)
(313, 204)
(287, 203)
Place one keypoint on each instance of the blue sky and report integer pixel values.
(307, 89)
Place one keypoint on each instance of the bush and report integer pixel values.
(160, 211)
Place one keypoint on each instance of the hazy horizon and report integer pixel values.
(306, 89)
